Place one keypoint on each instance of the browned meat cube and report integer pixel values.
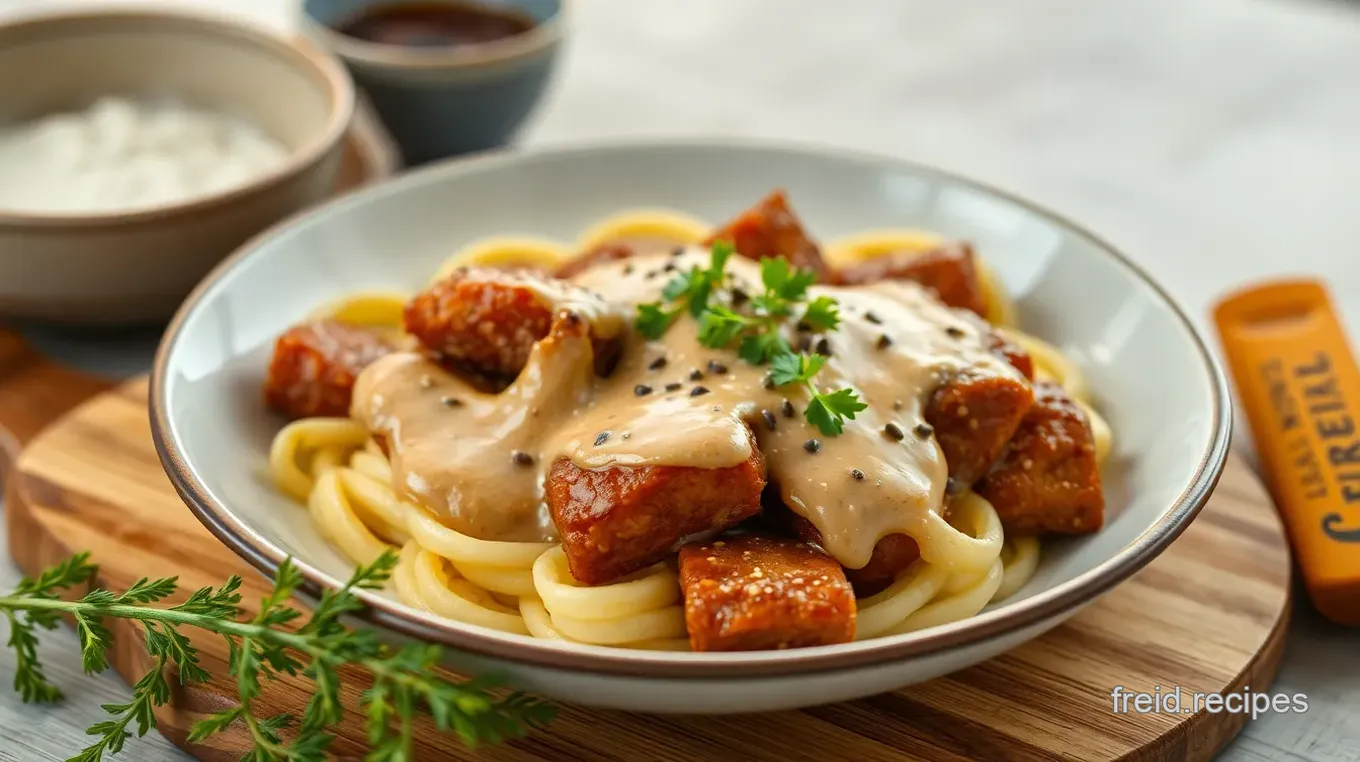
(314, 366)
(617, 520)
(891, 555)
(487, 320)
(754, 593)
(770, 229)
(1014, 354)
(475, 315)
(606, 252)
(974, 416)
(950, 271)
(1049, 479)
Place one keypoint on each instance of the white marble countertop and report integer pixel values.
(1216, 141)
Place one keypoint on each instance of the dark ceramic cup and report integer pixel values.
(441, 102)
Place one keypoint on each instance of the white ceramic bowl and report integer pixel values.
(1160, 389)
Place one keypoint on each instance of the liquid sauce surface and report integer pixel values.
(457, 459)
(434, 24)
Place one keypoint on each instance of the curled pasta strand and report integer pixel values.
(649, 589)
(913, 588)
(376, 504)
(437, 538)
(1051, 365)
(370, 465)
(373, 308)
(971, 594)
(641, 607)
(666, 224)
(1101, 435)
(509, 581)
(337, 521)
(1000, 307)
(539, 621)
(973, 547)
(658, 624)
(293, 453)
(506, 251)
(499, 567)
(869, 244)
(1019, 558)
(426, 580)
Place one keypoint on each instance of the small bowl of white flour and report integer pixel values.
(140, 147)
(123, 154)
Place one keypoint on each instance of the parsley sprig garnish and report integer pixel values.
(826, 411)
(277, 641)
(756, 330)
(687, 290)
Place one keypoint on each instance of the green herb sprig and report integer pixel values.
(757, 330)
(826, 411)
(275, 642)
(688, 290)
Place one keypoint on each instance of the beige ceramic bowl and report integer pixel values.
(112, 268)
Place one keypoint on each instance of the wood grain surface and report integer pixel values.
(1209, 615)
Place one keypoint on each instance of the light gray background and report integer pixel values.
(1217, 141)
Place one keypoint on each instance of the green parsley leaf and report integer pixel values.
(719, 326)
(759, 348)
(825, 411)
(653, 320)
(717, 259)
(829, 411)
(699, 292)
(792, 368)
(822, 314)
(785, 282)
(680, 285)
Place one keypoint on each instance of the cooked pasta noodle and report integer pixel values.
(661, 224)
(378, 308)
(1020, 558)
(505, 251)
(335, 468)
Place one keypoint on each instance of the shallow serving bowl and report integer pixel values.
(136, 266)
(1152, 377)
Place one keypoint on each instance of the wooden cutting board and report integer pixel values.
(1209, 615)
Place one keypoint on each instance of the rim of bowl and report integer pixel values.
(298, 52)
(394, 616)
(540, 36)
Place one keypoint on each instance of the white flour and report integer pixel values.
(122, 155)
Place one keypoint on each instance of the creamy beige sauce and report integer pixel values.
(458, 459)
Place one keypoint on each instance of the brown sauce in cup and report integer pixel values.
(434, 24)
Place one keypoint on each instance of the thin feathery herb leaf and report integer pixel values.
(214, 724)
(262, 649)
(30, 681)
(148, 591)
(73, 571)
(95, 640)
